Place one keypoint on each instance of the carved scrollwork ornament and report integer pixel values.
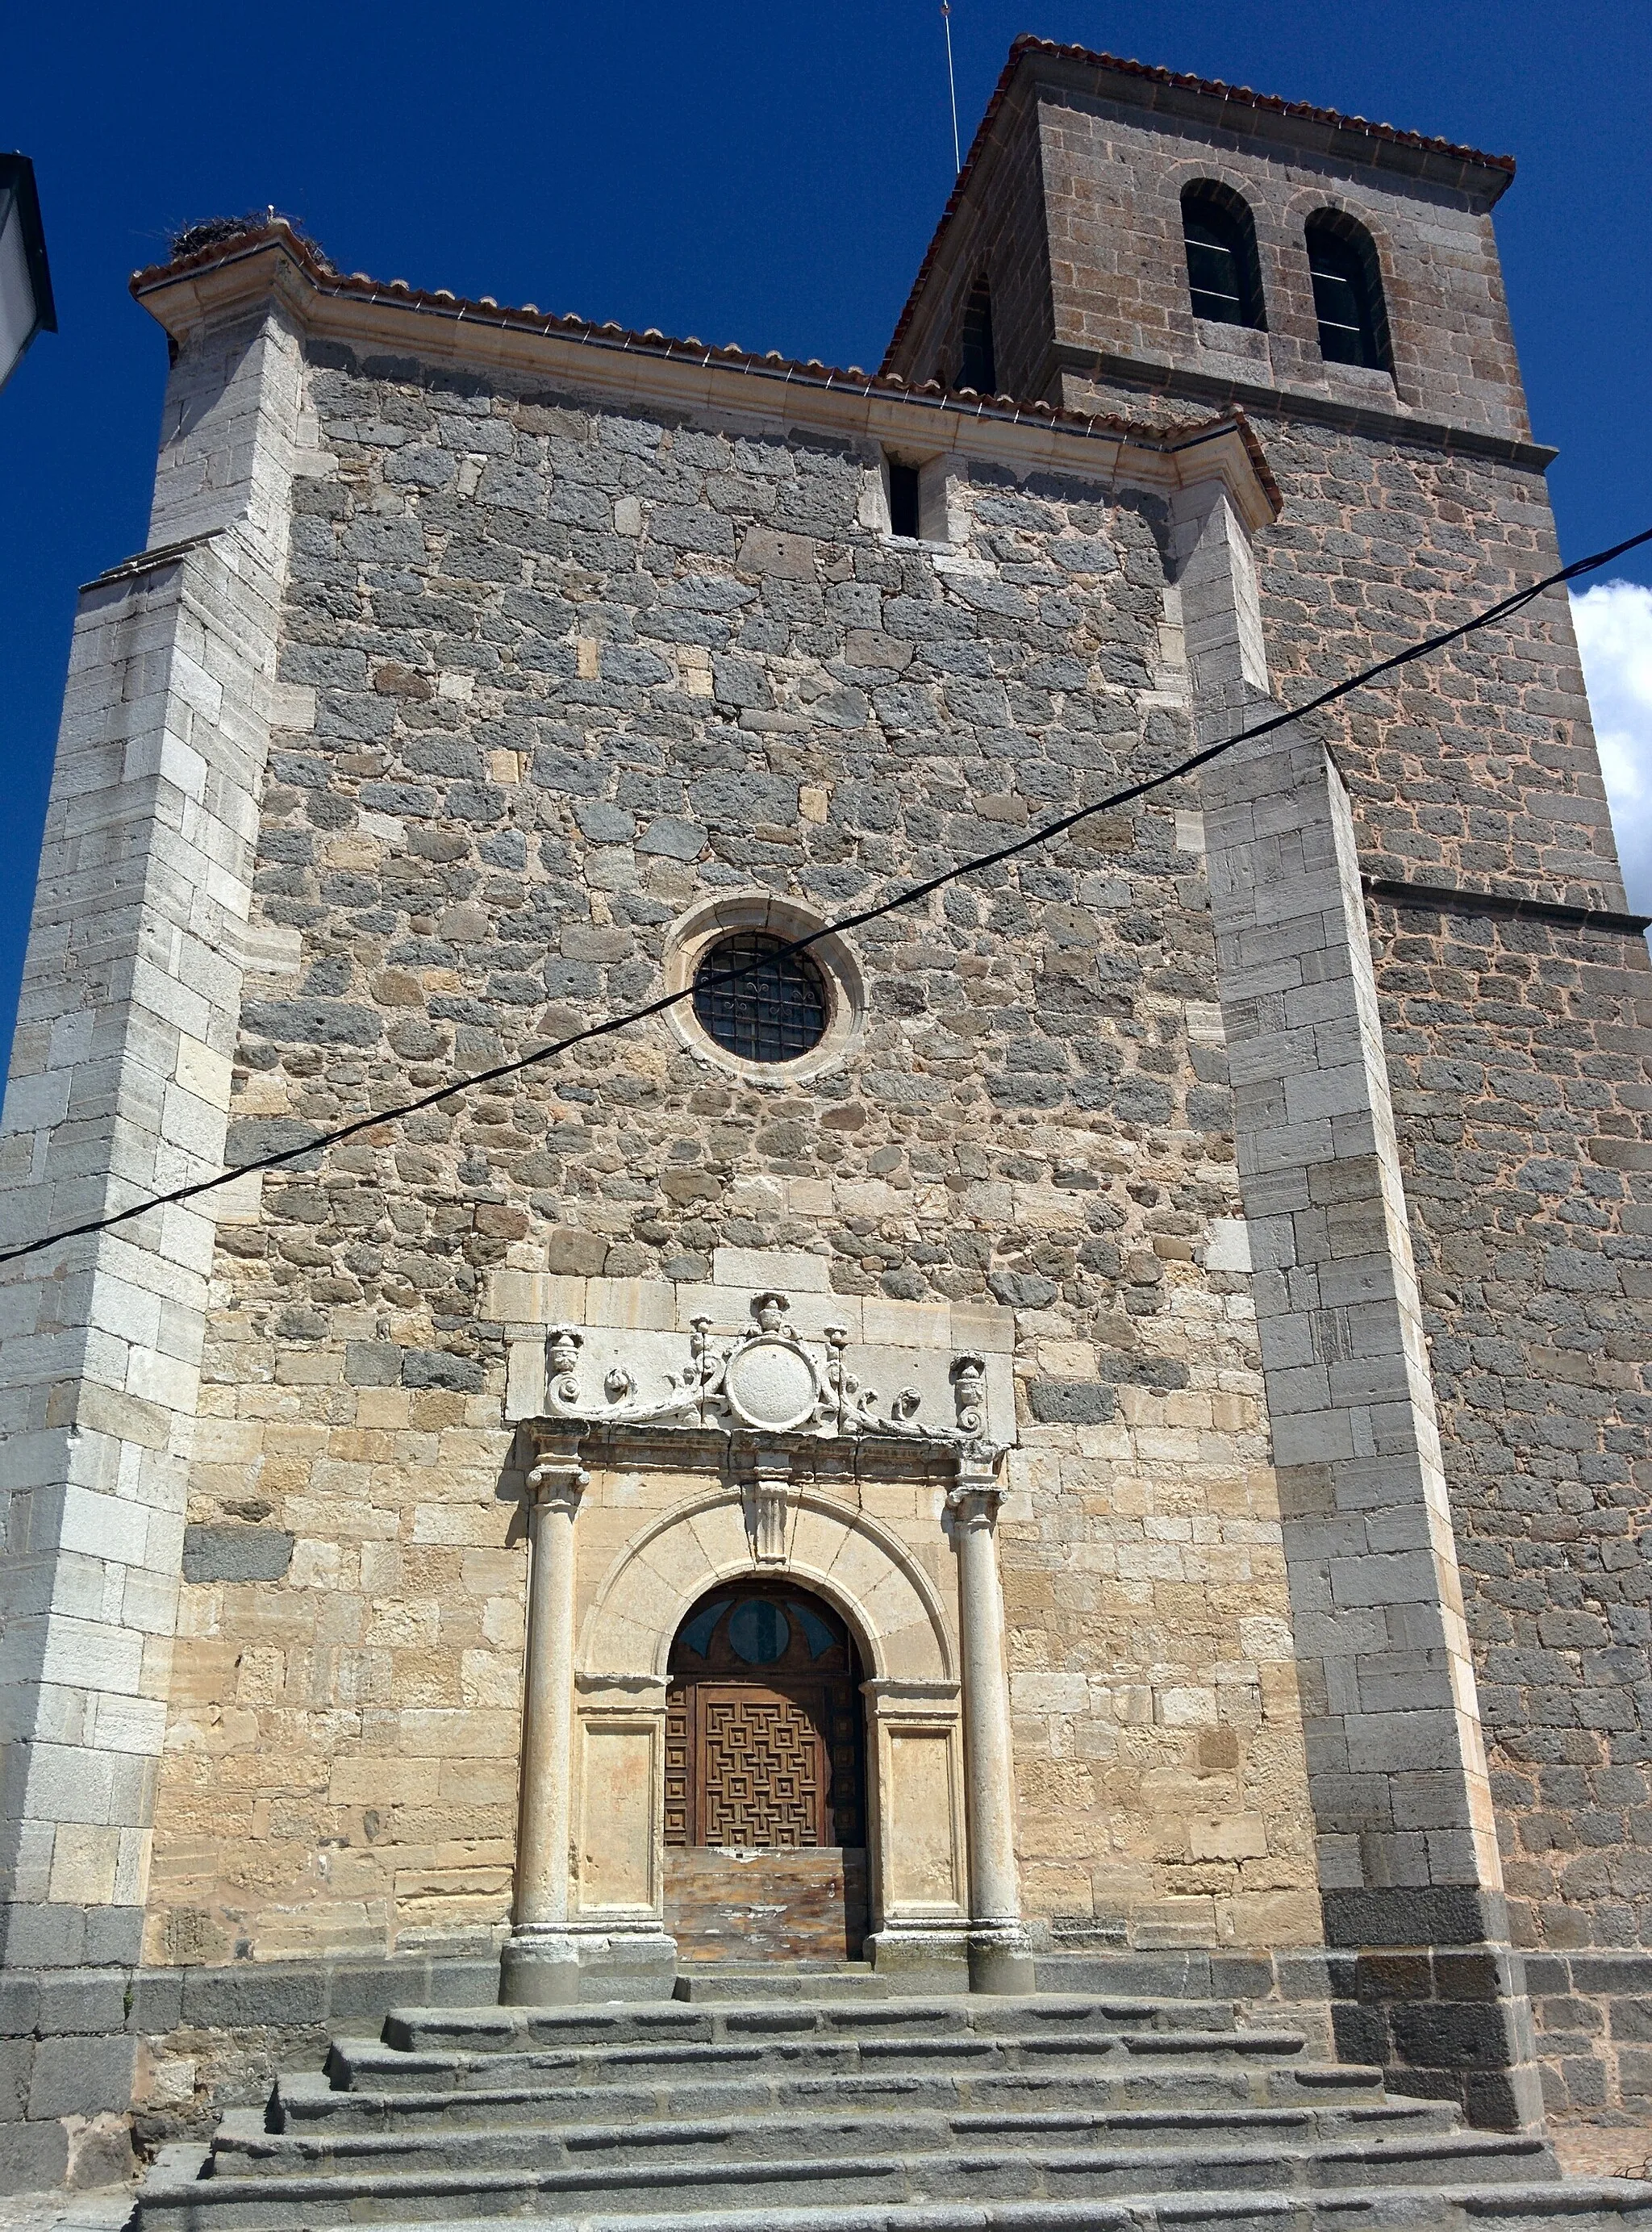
(563, 1346)
(769, 1378)
(969, 1393)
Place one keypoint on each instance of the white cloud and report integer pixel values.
(1614, 624)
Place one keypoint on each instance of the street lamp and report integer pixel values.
(25, 283)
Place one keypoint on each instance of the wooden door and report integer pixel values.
(765, 1801)
(763, 1744)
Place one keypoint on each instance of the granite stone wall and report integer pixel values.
(554, 675)
(1516, 1049)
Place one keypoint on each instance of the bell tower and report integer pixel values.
(1153, 246)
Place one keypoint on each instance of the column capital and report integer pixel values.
(977, 1492)
(557, 1479)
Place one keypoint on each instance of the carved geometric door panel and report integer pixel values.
(762, 1768)
(764, 1747)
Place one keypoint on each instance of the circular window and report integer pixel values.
(759, 1001)
(744, 1004)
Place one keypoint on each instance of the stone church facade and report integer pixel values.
(1118, 1448)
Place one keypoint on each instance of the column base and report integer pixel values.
(1000, 1958)
(566, 1964)
(920, 1957)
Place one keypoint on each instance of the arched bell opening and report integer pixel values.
(766, 1803)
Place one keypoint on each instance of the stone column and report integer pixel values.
(999, 1958)
(540, 1965)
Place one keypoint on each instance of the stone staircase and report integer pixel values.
(824, 2104)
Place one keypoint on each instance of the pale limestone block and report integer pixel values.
(292, 706)
(1050, 1693)
(1189, 1706)
(892, 1604)
(1230, 1836)
(617, 1645)
(525, 1378)
(817, 1537)
(719, 1532)
(457, 1733)
(204, 1073)
(920, 1865)
(1228, 1248)
(786, 1270)
(616, 1859)
(906, 1325)
(239, 1200)
(85, 1864)
(660, 1581)
(910, 1654)
(859, 1563)
(636, 1304)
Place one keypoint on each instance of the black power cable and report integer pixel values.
(1504, 609)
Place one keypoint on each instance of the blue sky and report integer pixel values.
(767, 175)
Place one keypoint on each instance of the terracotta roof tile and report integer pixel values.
(327, 279)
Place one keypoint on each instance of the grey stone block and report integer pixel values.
(84, 2001)
(156, 2000)
(44, 1937)
(1447, 1914)
(1237, 1977)
(251, 1138)
(114, 1937)
(355, 1989)
(1071, 1402)
(81, 2076)
(314, 1022)
(16, 2072)
(33, 2157)
(434, 1367)
(19, 2006)
(251, 1995)
(671, 836)
(229, 1552)
(464, 1984)
(372, 1363)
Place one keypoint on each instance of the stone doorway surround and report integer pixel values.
(756, 1437)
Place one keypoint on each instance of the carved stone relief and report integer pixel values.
(766, 1379)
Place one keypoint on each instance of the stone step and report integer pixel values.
(1592, 2205)
(687, 2088)
(722, 1983)
(503, 2030)
(688, 2179)
(370, 2064)
(245, 2146)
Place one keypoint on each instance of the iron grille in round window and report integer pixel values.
(774, 1011)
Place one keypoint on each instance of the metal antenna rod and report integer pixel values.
(952, 85)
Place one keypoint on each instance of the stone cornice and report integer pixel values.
(235, 278)
(1443, 899)
(1346, 413)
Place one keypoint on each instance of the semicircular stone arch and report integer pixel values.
(855, 1562)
